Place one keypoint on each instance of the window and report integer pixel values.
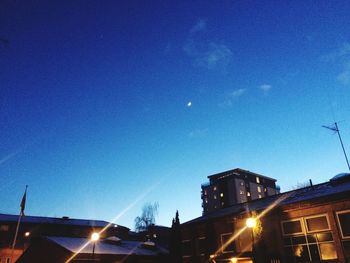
(344, 223)
(221, 194)
(226, 245)
(292, 227)
(260, 196)
(259, 189)
(241, 183)
(214, 188)
(206, 200)
(201, 246)
(257, 180)
(214, 196)
(241, 192)
(4, 228)
(318, 223)
(343, 218)
(186, 248)
(248, 194)
(312, 243)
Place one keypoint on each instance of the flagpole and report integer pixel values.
(18, 222)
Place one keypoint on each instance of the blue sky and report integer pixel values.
(105, 103)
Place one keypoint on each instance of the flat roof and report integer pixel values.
(55, 220)
(238, 171)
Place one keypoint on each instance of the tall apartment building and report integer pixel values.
(235, 186)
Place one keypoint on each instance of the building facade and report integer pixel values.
(311, 224)
(235, 186)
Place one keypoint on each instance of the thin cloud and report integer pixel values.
(265, 88)
(199, 133)
(206, 54)
(344, 76)
(231, 96)
(339, 53)
(238, 93)
(217, 56)
(200, 25)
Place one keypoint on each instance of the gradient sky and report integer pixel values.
(102, 102)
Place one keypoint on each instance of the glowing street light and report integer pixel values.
(94, 238)
(251, 222)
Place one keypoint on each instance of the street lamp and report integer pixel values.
(94, 238)
(251, 223)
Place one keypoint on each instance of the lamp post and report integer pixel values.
(251, 223)
(94, 238)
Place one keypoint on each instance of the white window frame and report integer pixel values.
(314, 216)
(197, 242)
(184, 241)
(292, 220)
(341, 230)
(222, 244)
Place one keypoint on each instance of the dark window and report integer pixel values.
(344, 221)
(311, 238)
(226, 245)
(292, 227)
(346, 245)
(317, 223)
(315, 256)
(186, 248)
(201, 245)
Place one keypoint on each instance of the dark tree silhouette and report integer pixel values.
(175, 240)
(147, 218)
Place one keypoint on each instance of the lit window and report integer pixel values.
(344, 223)
(241, 192)
(265, 189)
(221, 194)
(301, 246)
(214, 196)
(257, 180)
(205, 192)
(259, 189)
(214, 188)
(241, 183)
(248, 194)
(260, 196)
(206, 200)
(222, 203)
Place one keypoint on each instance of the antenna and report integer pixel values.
(336, 130)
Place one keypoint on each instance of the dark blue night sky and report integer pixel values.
(106, 102)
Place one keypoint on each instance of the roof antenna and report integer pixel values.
(335, 129)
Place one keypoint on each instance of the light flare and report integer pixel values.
(137, 200)
(263, 213)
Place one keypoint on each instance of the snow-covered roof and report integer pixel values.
(53, 220)
(107, 248)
